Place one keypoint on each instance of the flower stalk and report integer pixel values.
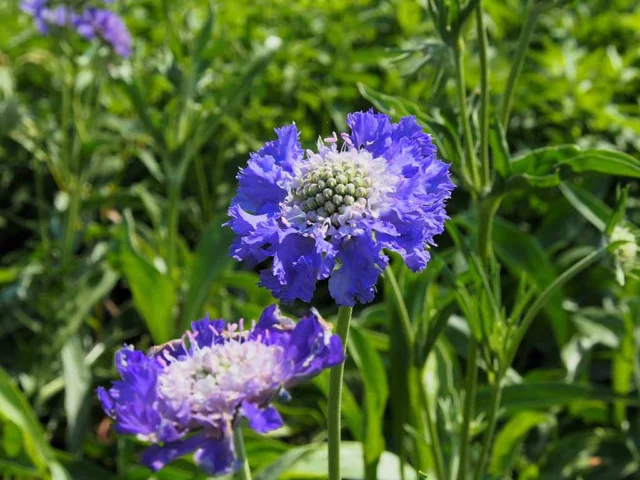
(532, 14)
(335, 396)
(244, 473)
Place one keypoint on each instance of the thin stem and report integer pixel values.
(241, 453)
(203, 188)
(487, 209)
(470, 160)
(469, 400)
(492, 420)
(541, 301)
(73, 212)
(173, 211)
(42, 216)
(335, 396)
(484, 96)
(436, 450)
(514, 343)
(533, 11)
(405, 321)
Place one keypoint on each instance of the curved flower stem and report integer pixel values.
(469, 398)
(471, 160)
(335, 397)
(487, 210)
(484, 97)
(533, 11)
(405, 321)
(245, 472)
(436, 451)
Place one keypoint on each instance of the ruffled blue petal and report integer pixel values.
(286, 150)
(262, 185)
(262, 420)
(361, 263)
(371, 131)
(312, 348)
(157, 457)
(255, 235)
(207, 332)
(295, 267)
(130, 401)
(217, 456)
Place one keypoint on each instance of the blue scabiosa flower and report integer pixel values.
(91, 22)
(185, 396)
(330, 213)
(96, 22)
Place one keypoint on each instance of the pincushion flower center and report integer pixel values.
(336, 184)
(213, 378)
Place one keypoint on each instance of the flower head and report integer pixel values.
(627, 252)
(90, 23)
(329, 213)
(186, 395)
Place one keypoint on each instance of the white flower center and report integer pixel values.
(338, 184)
(214, 379)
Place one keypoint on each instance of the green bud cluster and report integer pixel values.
(332, 187)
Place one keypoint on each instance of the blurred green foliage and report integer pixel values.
(115, 176)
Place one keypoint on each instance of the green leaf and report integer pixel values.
(376, 391)
(499, 149)
(549, 166)
(77, 382)
(523, 254)
(15, 408)
(531, 395)
(312, 463)
(511, 437)
(154, 294)
(210, 260)
(594, 210)
(11, 439)
(444, 134)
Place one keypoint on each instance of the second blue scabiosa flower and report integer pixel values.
(330, 213)
(89, 21)
(186, 396)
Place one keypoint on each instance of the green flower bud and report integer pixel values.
(329, 207)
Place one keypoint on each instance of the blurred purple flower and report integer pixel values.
(90, 23)
(186, 395)
(330, 214)
(94, 22)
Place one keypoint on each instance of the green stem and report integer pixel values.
(203, 188)
(335, 396)
(173, 215)
(245, 472)
(470, 161)
(436, 450)
(487, 209)
(533, 11)
(469, 400)
(541, 301)
(492, 420)
(73, 212)
(514, 343)
(484, 96)
(42, 215)
(407, 329)
(405, 321)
